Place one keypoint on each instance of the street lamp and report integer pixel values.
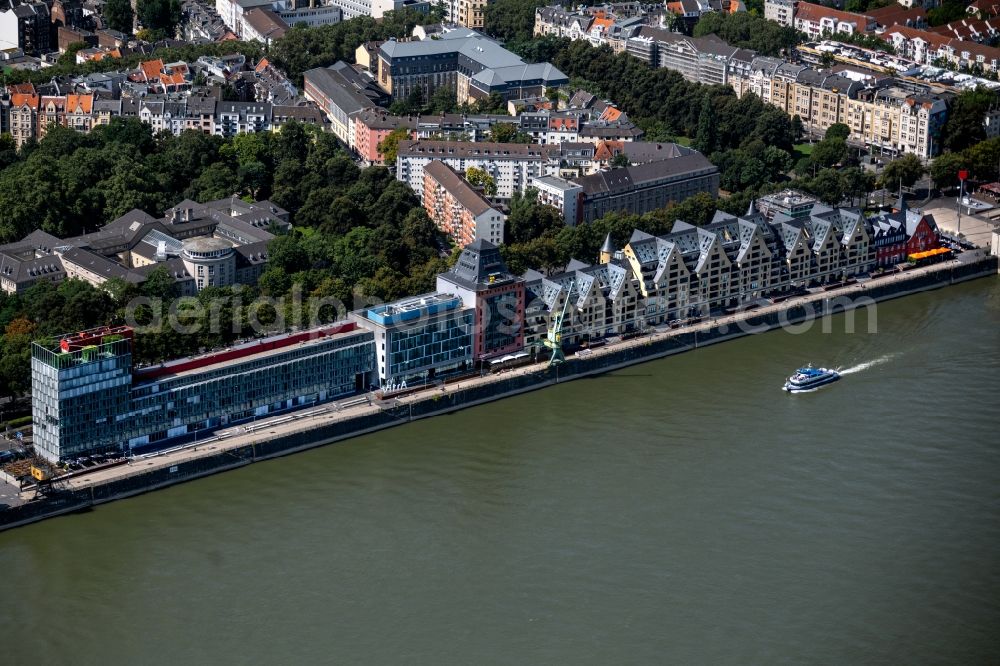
(962, 175)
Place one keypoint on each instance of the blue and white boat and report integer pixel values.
(809, 378)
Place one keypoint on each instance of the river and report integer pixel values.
(682, 511)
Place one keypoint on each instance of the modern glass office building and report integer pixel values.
(88, 398)
(79, 385)
(419, 338)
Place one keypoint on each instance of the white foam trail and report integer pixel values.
(864, 366)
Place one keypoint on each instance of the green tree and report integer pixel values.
(837, 131)
(507, 133)
(829, 152)
(442, 101)
(944, 170)
(705, 140)
(159, 284)
(697, 210)
(747, 30)
(829, 186)
(858, 183)
(947, 11)
(511, 20)
(479, 178)
(530, 219)
(964, 126)
(118, 15)
(159, 16)
(15, 357)
(495, 103)
(389, 146)
(906, 170)
(620, 160)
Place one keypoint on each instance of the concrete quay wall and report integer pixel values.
(478, 392)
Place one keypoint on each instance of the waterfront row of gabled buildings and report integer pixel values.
(88, 396)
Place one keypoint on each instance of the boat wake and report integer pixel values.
(861, 367)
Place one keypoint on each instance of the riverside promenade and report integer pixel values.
(235, 446)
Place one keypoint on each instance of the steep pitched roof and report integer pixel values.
(457, 186)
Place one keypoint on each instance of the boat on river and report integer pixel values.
(809, 378)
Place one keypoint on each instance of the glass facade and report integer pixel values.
(419, 337)
(85, 401)
(411, 351)
(76, 395)
(501, 322)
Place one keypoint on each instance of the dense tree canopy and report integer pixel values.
(906, 170)
(747, 30)
(159, 16)
(118, 15)
(304, 48)
(964, 126)
(512, 20)
(357, 232)
(947, 11)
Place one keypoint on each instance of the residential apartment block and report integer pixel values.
(513, 166)
(733, 260)
(371, 126)
(930, 47)
(340, 91)
(678, 172)
(265, 20)
(458, 209)
(816, 20)
(26, 26)
(161, 95)
(698, 59)
(781, 12)
(643, 187)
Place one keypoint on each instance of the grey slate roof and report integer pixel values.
(478, 261)
(458, 187)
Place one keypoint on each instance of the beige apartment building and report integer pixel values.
(881, 114)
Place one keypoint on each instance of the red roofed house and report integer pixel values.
(149, 70)
(984, 8)
(79, 112)
(918, 45)
(168, 78)
(51, 111)
(921, 229)
(815, 20)
(562, 129)
(599, 30)
(973, 30)
(886, 17)
(23, 115)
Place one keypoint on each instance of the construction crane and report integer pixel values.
(554, 338)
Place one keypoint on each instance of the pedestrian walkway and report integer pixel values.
(975, 228)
